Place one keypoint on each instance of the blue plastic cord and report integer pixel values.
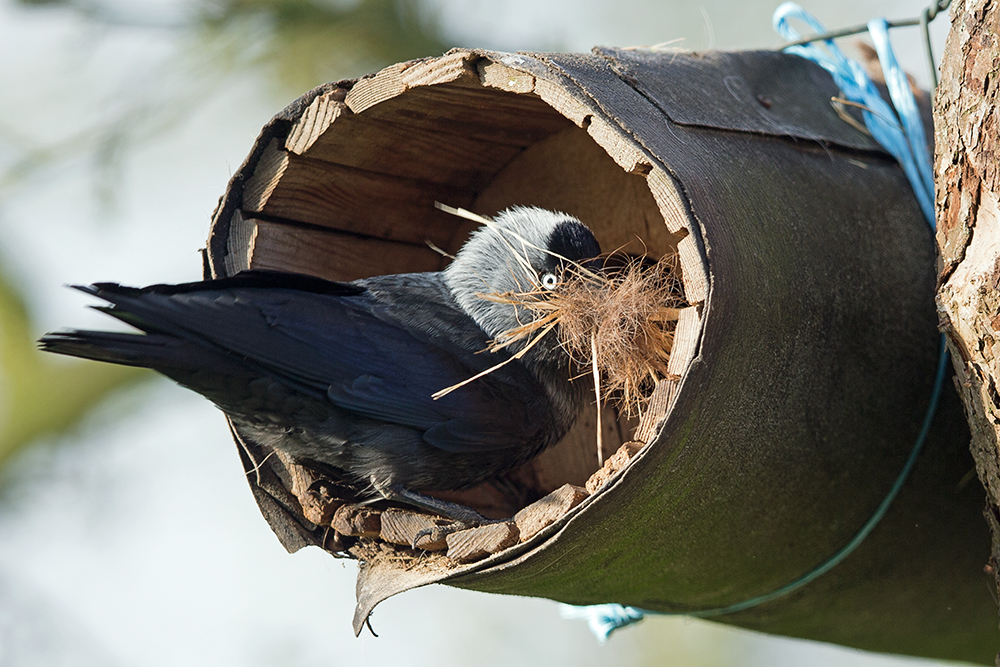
(909, 115)
(603, 619)
(904, 141)
(903, 136)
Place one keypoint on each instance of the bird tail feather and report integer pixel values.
(162, 352)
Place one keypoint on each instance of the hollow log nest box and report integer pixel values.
(801, 367)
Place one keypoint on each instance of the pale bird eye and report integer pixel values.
(549, 281)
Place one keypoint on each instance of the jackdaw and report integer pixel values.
(345, 373)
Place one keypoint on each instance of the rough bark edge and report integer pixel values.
(968, 235)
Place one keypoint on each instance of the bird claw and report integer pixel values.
(454, 511)
(438, 533)
(462, 517)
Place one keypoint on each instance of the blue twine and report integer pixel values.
(603, 619)
(903, 137)
(904, 140)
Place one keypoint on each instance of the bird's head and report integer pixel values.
(523, 250)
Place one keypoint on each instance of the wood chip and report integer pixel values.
(455, 67)
(611, 467)
(474, 544)
(542, 513)
(317, 502)
(357, 521)
(555, 96)
(319, 509)
(315, 120)
(497, 75)
(401, 526)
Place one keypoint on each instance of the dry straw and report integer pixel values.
(620, 322)
(617, 322)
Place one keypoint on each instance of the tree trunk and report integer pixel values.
(968, 202)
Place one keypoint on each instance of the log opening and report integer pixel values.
(346, 190)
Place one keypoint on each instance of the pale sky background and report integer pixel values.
(134, 540)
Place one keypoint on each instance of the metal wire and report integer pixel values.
(926, 17)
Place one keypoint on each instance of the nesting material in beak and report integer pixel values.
(621, 320)
(618, 321)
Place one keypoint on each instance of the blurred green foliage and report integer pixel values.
(309, 42)
(301, 43)
(41, 394)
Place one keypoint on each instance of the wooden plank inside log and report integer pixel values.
(566, 104)
(496, 75)
(372, 90)
(455, 68)
(692, 270)
(398, 149)
(394, 80)
(291, 187)
(239, 244)
(656, 408)
(668, 198)
(317, 507)
(266, 175)
(569, 172)
(333, 255)
(619, 147)
(686, 337)
(484, 114)
(315, 120)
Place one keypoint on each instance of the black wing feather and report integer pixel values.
(377, 356)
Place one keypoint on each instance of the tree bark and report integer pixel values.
(968, 202)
